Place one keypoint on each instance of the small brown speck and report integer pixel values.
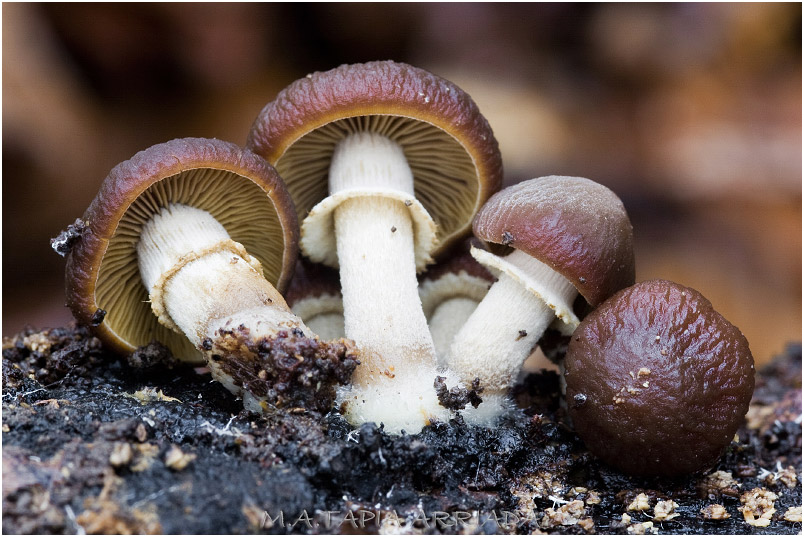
(793, 514)
(393, 229)
(141, 433)
(789, 477)
(640, 503)
(715, 512)
(176, 459)
(121, 454)
(98, 317)
(665, 510)
(522, 333)
(758, 507)
(50, 403)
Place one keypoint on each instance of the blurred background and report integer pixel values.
(690, 112)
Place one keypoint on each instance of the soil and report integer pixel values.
(98, 444)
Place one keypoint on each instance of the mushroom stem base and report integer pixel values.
(503, 330)
(405, 402)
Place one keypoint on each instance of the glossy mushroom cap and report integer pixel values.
(448, 144)
(238, 188)
(658, 381)
(576, 226)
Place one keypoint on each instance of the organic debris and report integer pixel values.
(80, 455)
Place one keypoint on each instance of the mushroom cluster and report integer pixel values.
(375, 172)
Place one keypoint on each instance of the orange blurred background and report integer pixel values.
(690, 112)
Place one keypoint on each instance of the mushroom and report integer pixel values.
(569, 235)
(387, 164)
(314, 294)
(186, 243)
(450, 291)
(658, 381)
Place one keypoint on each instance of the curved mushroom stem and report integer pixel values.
(200, 280)
(206, 286)
(504, 328)
(382, 309)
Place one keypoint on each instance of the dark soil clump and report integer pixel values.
(289, 370)
(145, 445)
(456, 398)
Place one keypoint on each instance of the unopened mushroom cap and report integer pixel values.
(448, 144)
(658, 381)
(576, 226)
(238, 188)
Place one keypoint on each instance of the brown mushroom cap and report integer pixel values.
(658, 381)
(238, 188)
(576, 226)
(448, 144)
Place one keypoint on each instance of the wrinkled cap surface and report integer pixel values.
(448, 144)
(238, 188)
(658, 381)
(576, 226)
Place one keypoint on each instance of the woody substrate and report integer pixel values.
(97, 444)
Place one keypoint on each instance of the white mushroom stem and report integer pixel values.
(200, 281)
(448, 301)
(447, 320)
(382, 311)
(327, 325)
(323, 314)
(500, 334)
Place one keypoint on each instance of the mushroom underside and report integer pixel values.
(245, 211)
(445, 176)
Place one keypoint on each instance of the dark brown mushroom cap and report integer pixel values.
(239, 188)
(449, 145)
(574, 225)
(658, 381)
